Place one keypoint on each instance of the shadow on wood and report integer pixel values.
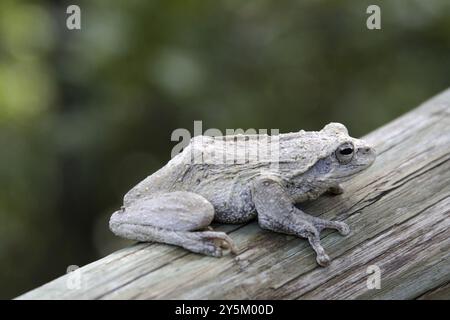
(398, 210)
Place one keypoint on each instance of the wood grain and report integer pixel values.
(399, 212)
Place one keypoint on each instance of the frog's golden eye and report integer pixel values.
(344, 153)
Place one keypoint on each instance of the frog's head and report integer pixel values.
(347, 157)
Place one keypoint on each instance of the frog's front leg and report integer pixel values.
(277, 212)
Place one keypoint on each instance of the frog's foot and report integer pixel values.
(321, 257)
(312, 232)
(340, 226)
(335, 190)
(211, 243)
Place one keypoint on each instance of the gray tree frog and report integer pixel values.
(176, 204)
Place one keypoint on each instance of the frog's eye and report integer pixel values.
(344, 153)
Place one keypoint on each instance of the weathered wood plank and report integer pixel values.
(399, 212)
(439, 293)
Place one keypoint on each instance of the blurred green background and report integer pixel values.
(86, 114)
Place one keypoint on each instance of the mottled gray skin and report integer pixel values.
(176, 204)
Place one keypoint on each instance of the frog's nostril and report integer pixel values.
(366, 150)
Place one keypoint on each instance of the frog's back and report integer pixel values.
(206, 166)
(209, 164)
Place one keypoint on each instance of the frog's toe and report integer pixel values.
(323, 259)
(343, 228)
(223, 245)
(223, 241)
(217, 244)
(214, 250)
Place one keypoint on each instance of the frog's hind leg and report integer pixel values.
(173, 218)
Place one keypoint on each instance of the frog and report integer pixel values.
(234, 179)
